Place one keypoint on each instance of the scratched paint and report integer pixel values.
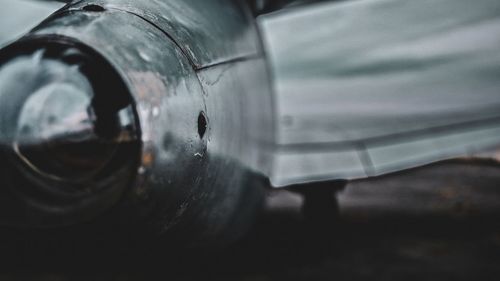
(201, 179)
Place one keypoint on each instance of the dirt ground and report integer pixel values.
(437, 223)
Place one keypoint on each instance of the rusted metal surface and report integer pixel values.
(342, 113)
(69, 136)
(203, 103)
(202, 99)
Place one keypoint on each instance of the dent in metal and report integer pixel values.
(208, 32)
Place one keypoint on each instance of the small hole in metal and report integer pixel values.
(202, 124)
(94, 8)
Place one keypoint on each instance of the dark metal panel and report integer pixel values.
(240, 108)
(191, 180)
(208, 31)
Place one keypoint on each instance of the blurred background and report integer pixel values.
(441, 222)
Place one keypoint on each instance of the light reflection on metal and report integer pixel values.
(203, 128)
(197, 130)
